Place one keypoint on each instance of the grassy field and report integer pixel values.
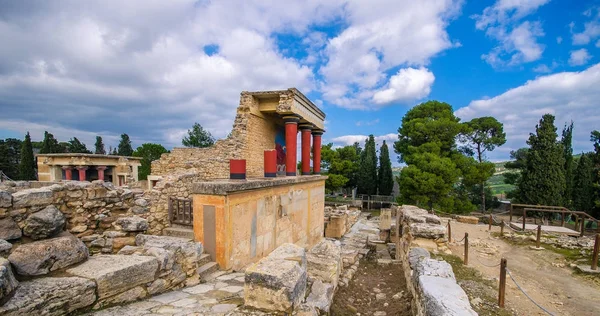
(496, 182)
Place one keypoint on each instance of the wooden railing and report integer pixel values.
(580, 217)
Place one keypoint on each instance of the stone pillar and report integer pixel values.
(317, 150)
(270, 163)
(82, 170)
(101, 172)
(68, 172)
(305, 129)
(291, 131)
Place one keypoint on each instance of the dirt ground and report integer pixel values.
(374, 288)
(545, 275)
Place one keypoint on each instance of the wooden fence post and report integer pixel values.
(490, 224)
(524, 215)
(539, 235)
(502, 285)
(466, 260)
(595, 253)
(502, 229)
(511, 210)
(449, 232)
(582, 226)
(562, 219)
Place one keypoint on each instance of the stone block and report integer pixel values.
(415, 255)
(385, 219)
(289, 252)
(50, 297)
(32, 197)
(5, 248)
(467, 219)
(442, 296)
(46, 223)
(133, 224)
(430, 231)
(5, 199)
(9, 229)
(8, 283)
(432, 267)
(324, 261)
(116, 274)
(321, 296)
(130, 295)
(43, 256)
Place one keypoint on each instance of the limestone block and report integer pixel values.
(130, 295)
(43, 256)
(432, 267)
(8, 283)
(415, 255)
(442, 296)
(430, 231)
(32, 197)
(321, 296)
(116, 274)
(324, 261)
(433, 219)
(274, 285)
(467, 219)
(5, 248)
(121, 242)
(289, 252)
(385, 219)
(133, 224)
(5, 199)
(9, 229)
(141, 202)
(44, 224)
(190, 249)
(305, 310)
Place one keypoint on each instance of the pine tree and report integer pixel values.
(50, 145)
(543, 179)
(583, 184)
(76, 146)
(149, 152)
(595, 138)
(567, 143)
(99, 146)
(125, 146)
(27, 164)
(367, 174)
(385, 176)
(198, 137)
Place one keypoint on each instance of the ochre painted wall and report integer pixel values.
(282, 214)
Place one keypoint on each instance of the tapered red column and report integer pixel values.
(101, 172)
(291, 131)
(68, 172)
(317, 151)
(305, 130)
(82, 173)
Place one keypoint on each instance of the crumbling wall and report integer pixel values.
(252, 133)
(106, 218)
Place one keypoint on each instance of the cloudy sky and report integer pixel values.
(152, 68)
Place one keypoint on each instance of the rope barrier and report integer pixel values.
(526, 295)
(489, 266)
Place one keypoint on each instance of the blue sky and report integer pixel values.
(152, 68)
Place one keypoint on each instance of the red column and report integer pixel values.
(68, 172)
(317, 151)
(101, 172)
(305, 130)
(82, 173)
(291, 131)
(270, 163)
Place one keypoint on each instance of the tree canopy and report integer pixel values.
(125, 148)
(583, 184)
(76, 146)
(149, 152)
(10, 156)
(367, 172)
(198, 137)
(341, 165)
(27, 163)
(50, 145)
(567, 144)
(385, 176)
(99, 146)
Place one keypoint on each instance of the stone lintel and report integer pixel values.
(225, 186)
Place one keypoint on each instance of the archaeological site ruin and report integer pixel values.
(232, 229)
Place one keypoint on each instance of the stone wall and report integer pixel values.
(252, 133)
(106, 218)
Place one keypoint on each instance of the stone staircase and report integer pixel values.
(208, 269)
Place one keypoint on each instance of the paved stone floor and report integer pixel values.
(219, 296)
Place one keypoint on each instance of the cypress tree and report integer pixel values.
(385, 176)
(50, 145)
(76, 146)
(543, 179)
(27, 164)
(595, 138)
(125, 148)
(99, 146)
(567, 143)
(583, 184)
(367, 175)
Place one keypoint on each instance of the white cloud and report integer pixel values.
(598, 44)
(543, 68)
(559, 39)
(367, 123)
(407, 85)
(567, 95)
(381, 35)
(579, 57)
(517, 42)
(591, 29)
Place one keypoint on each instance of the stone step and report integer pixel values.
(207, 269)
(181, 232)
(214, 275)
(204, 259)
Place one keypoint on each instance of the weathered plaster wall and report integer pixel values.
(250, 224)
(252, 133)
